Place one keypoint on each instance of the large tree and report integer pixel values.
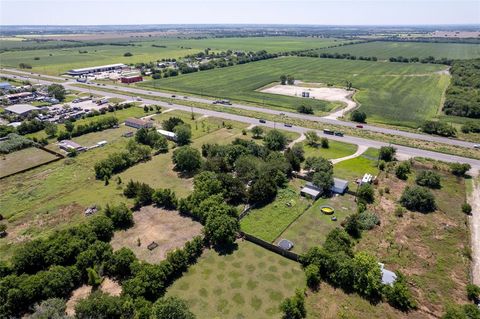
(57, 91)
(171, 308)
(418, 198)
(184, 134)
(275, 140)
(187, 159)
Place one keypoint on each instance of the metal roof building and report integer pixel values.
(93, 69)
(339, 186)
(169, 135)
(21, 109)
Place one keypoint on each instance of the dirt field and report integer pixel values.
(316, 92)
(108, 286)
(167, 228)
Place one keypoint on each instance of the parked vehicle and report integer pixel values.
(328, 132)
(287, 124)
(339, 134)
(262, 121)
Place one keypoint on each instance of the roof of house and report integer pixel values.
(311, 189)
(21, 108)
(339, 183)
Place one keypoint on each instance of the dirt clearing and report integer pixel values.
(321, 93)
(168, 229)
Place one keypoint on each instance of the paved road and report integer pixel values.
(327, 119)
(403, 151)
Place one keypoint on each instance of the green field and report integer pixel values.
(56, 61)
(249, 283)
(355, 168)
(313, 226)
(23, 159)
(336, 149)
(385, 50)
(270, 221)
(391, 93)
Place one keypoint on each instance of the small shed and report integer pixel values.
(340, 186)
(311, 191)
(169, 135)
(285, 244)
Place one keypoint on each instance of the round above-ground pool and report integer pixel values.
(327, 210)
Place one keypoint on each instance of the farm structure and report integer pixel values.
(95, 69)
(131, 79)
(169, 135)
(69, 145)
(340, 186)
(137, 123)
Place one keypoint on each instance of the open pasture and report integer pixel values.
(249, 283)
(23, 159)
(56, 61)
(385, 50)
(392, 93)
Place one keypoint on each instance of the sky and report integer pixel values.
(315, 12)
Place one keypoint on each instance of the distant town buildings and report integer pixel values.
(94, 69)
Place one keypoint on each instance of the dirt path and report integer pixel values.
(474, 200)
(361, 149)
(298, 140)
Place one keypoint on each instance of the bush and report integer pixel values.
(438, 128)
(473, 292)
(398, 295)
(466, 208)
(14, 143)
(127, 54)
(429, 179)
(165, 198)
(305, 109)
(402, 170)
(120, 215)
(365, 193)
(399, 211)
(358, 116)
(171, 122)
(418, 198)
(368, 220)
(312, 273)
(171, 308)
(324, 142)
(387, 153)
(294, 307)
(459, 169)
(352, 226)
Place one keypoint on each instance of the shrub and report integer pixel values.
(324, 142)
(358, 116)
(387, 153)
(120, 215)
(368, 220)
(429, 179)
(418, 198)
(398, 295)
(365, 193)
(466, 208)
(294, 307)
(473, 292)
(352, 226)
(438, 128)
(399, 211)
(171, 308)
(127, 54)
(305, 109)
(459, 169)
(165, 198)
(402, 170)
(312, 273)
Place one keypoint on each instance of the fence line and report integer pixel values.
(260, 242)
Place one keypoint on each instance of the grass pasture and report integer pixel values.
(336, 149)
(384, 50)
(168, 229)
(56, 61)
(249, 283)
(312, 227)
(269, 222)
(355, 168)
(390, 93)
(23, 159)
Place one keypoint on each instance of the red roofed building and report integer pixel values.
(131, 79)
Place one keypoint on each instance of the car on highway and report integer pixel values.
(476, 146)
(185, 97)
(262, 121)
(339, 134)
(174, 95)
(359, 126)
(282, 114)
(139, 98)
(287, 125)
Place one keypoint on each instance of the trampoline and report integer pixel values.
(327, 210)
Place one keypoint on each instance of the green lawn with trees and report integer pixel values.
(391, 93)
(249, 283)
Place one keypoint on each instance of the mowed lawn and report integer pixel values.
(313, 226)
(56, 61)
(336, 149)
(384, 50)
(270, 221)
(392, 93)
(249, 283)
(355, 168)
(23, 159)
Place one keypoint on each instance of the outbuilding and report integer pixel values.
(69, 145)
(169, 135)
(340, 186)
(131, 79)
(310, 190)
(138, 123)
(21, 109)
(95, 69)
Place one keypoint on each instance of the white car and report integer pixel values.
(476, 146)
